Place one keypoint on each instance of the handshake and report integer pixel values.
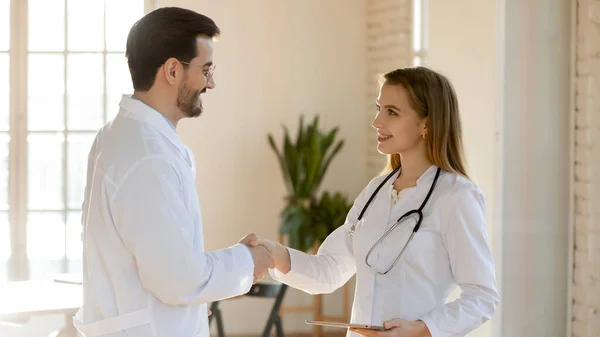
(266, 255)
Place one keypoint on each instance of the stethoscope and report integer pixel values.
(418, 212)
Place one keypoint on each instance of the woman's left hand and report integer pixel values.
(397, 327)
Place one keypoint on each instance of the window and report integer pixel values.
(67, 74)
(4, 136)
(419, 32)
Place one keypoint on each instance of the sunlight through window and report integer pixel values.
(75, 69)
(419, 32)
(5, 240)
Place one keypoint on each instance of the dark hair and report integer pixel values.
(161, 34)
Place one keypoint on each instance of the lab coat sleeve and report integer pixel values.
(151, 216)
(88, 184)
(472, 266)
(334, 263)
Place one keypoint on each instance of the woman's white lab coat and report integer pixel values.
(451, 248)
(145, 271)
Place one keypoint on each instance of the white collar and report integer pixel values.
(149, 115)
(425, 176)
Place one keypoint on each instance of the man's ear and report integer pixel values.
(172, 70)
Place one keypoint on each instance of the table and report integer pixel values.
(265, 288)
(23, 300)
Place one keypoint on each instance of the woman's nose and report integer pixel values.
(377, 123)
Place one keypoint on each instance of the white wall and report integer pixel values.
(536, 167)
(509, 61)
(275, 60)
(464, 46)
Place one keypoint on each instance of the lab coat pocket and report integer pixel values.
(423, 249)
(426, 250)
(426, 240)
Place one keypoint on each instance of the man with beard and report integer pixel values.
(145, 269)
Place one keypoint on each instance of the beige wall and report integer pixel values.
(275, 60)
(536, 198)
(464, 46)
(509, 61)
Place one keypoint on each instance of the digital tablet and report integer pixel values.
(346, 325)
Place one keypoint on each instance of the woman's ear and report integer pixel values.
(424, 129)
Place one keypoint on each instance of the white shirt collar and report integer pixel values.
(151, 116)
(426, 176)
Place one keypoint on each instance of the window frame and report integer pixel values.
(18, 263)
(420, 53)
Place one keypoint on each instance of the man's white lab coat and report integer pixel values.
(145, 271)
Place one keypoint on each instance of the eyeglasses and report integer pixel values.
(208, 72)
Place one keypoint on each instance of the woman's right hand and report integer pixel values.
(280, 254)
(253, 240)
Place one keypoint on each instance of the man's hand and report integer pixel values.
(252, 240)
(262, 261)
(280, 254)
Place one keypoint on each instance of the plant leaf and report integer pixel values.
(329, 139)
(300, 135)
(291, 159)
(282, 165)
(327, 162)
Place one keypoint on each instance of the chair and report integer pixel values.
(263, 290)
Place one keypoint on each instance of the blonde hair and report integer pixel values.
(431, 95)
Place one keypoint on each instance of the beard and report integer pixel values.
(188, 100)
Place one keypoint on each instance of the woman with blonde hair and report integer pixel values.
(414, 233)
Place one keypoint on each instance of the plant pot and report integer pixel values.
(302, 202)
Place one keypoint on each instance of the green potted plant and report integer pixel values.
(326, 214)
(303, 164)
